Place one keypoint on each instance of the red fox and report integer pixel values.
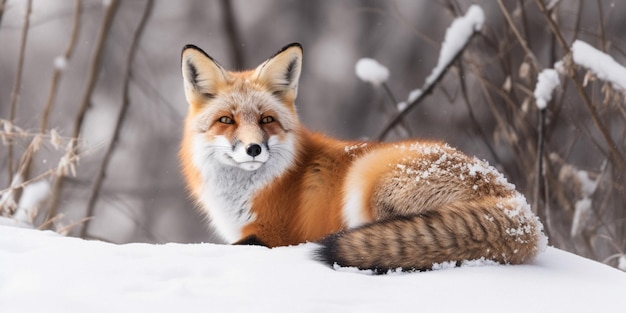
(263, 178)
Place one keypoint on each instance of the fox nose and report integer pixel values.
(253, 150)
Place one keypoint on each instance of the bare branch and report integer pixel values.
(539, 159)
(234, 37)
(24, 169)
(17, 85)
(2, 6)
(553, 26)
(94, 70)
(603, 45)
(57, 71)
(579, 14)
(477, 127)
(121, 117)
(524, 19)
(427, 88)
(404, 127)
(519, 37)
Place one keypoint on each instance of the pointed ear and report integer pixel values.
(281, 72)
(201, 74)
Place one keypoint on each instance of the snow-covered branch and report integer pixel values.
(547, 81)
(457, 37)
(600, 63)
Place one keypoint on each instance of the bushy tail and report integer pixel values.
(417, 242)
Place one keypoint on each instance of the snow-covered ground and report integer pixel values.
(46, 272)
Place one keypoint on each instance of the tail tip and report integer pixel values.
(326, 252)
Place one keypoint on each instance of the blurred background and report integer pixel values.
(91, 103)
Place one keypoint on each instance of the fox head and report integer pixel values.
(242, 119)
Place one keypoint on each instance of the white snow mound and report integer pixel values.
(46, 272)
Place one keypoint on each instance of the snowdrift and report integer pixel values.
(46, 272)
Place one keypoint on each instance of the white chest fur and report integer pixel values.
(228, 191)
(226, 197)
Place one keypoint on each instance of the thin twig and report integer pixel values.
(409, 25)
(49, 222)
(501, 121)
(539, 159)
(553, 26)
(68, 228)
(121, 117)
(524, 125)
(601, 22)
(579, 14)
(390, 94)
(473, 119)
(2, 6)
(394, 105)
(524, 18)
(94, 70)
(234, 38)
(24, 170)
(547, 212)
(17, 86)
(69, 50)
(519, 38)
(426, 90)
(452, 7)
(159, 102)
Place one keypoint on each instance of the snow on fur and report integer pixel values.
(451, 162)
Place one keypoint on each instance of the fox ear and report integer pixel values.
(281, 72)
(201, 74)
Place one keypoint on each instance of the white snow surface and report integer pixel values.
(547, 81)
(370, 71)
(46, 272)
(600, 63)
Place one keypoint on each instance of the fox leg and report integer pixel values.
(251, 240)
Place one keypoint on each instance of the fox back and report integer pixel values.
(262, 178)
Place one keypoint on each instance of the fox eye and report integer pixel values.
(226, 120)
(267, 120)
